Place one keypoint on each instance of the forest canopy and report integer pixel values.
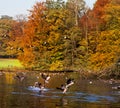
(60, 35)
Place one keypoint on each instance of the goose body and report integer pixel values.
(69, 82)
(45, 77)
(65, 87)
(20, 77)
(39, 85)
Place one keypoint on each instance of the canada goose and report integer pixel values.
(45, 77)
(65, 87)
(20, 77)
(69, 82)
(39, 85)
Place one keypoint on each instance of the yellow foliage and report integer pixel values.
(57, 65)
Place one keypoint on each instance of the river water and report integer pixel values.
(83, 94)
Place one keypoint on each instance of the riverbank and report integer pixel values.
(14, 65)
(82, 74)
(10, 64)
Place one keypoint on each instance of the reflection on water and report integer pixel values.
(22, 94)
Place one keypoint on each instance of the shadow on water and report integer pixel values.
(83, 94)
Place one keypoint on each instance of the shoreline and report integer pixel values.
(83, 74)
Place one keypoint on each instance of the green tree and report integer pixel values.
(5, 27)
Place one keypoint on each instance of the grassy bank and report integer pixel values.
(10, 64)
(15, 65)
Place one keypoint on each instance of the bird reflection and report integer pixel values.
(62, 102)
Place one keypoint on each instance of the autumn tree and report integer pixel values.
(65, 35)
(77, 7)
(16, 35)
(51, 39)
(98, 12)
(107, 50)
(5, 28)
(34, 36)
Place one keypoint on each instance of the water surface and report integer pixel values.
(83, 94)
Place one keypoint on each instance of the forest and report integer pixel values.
(65, 36)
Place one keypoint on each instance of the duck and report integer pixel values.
(45, 77)
(64, 87)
